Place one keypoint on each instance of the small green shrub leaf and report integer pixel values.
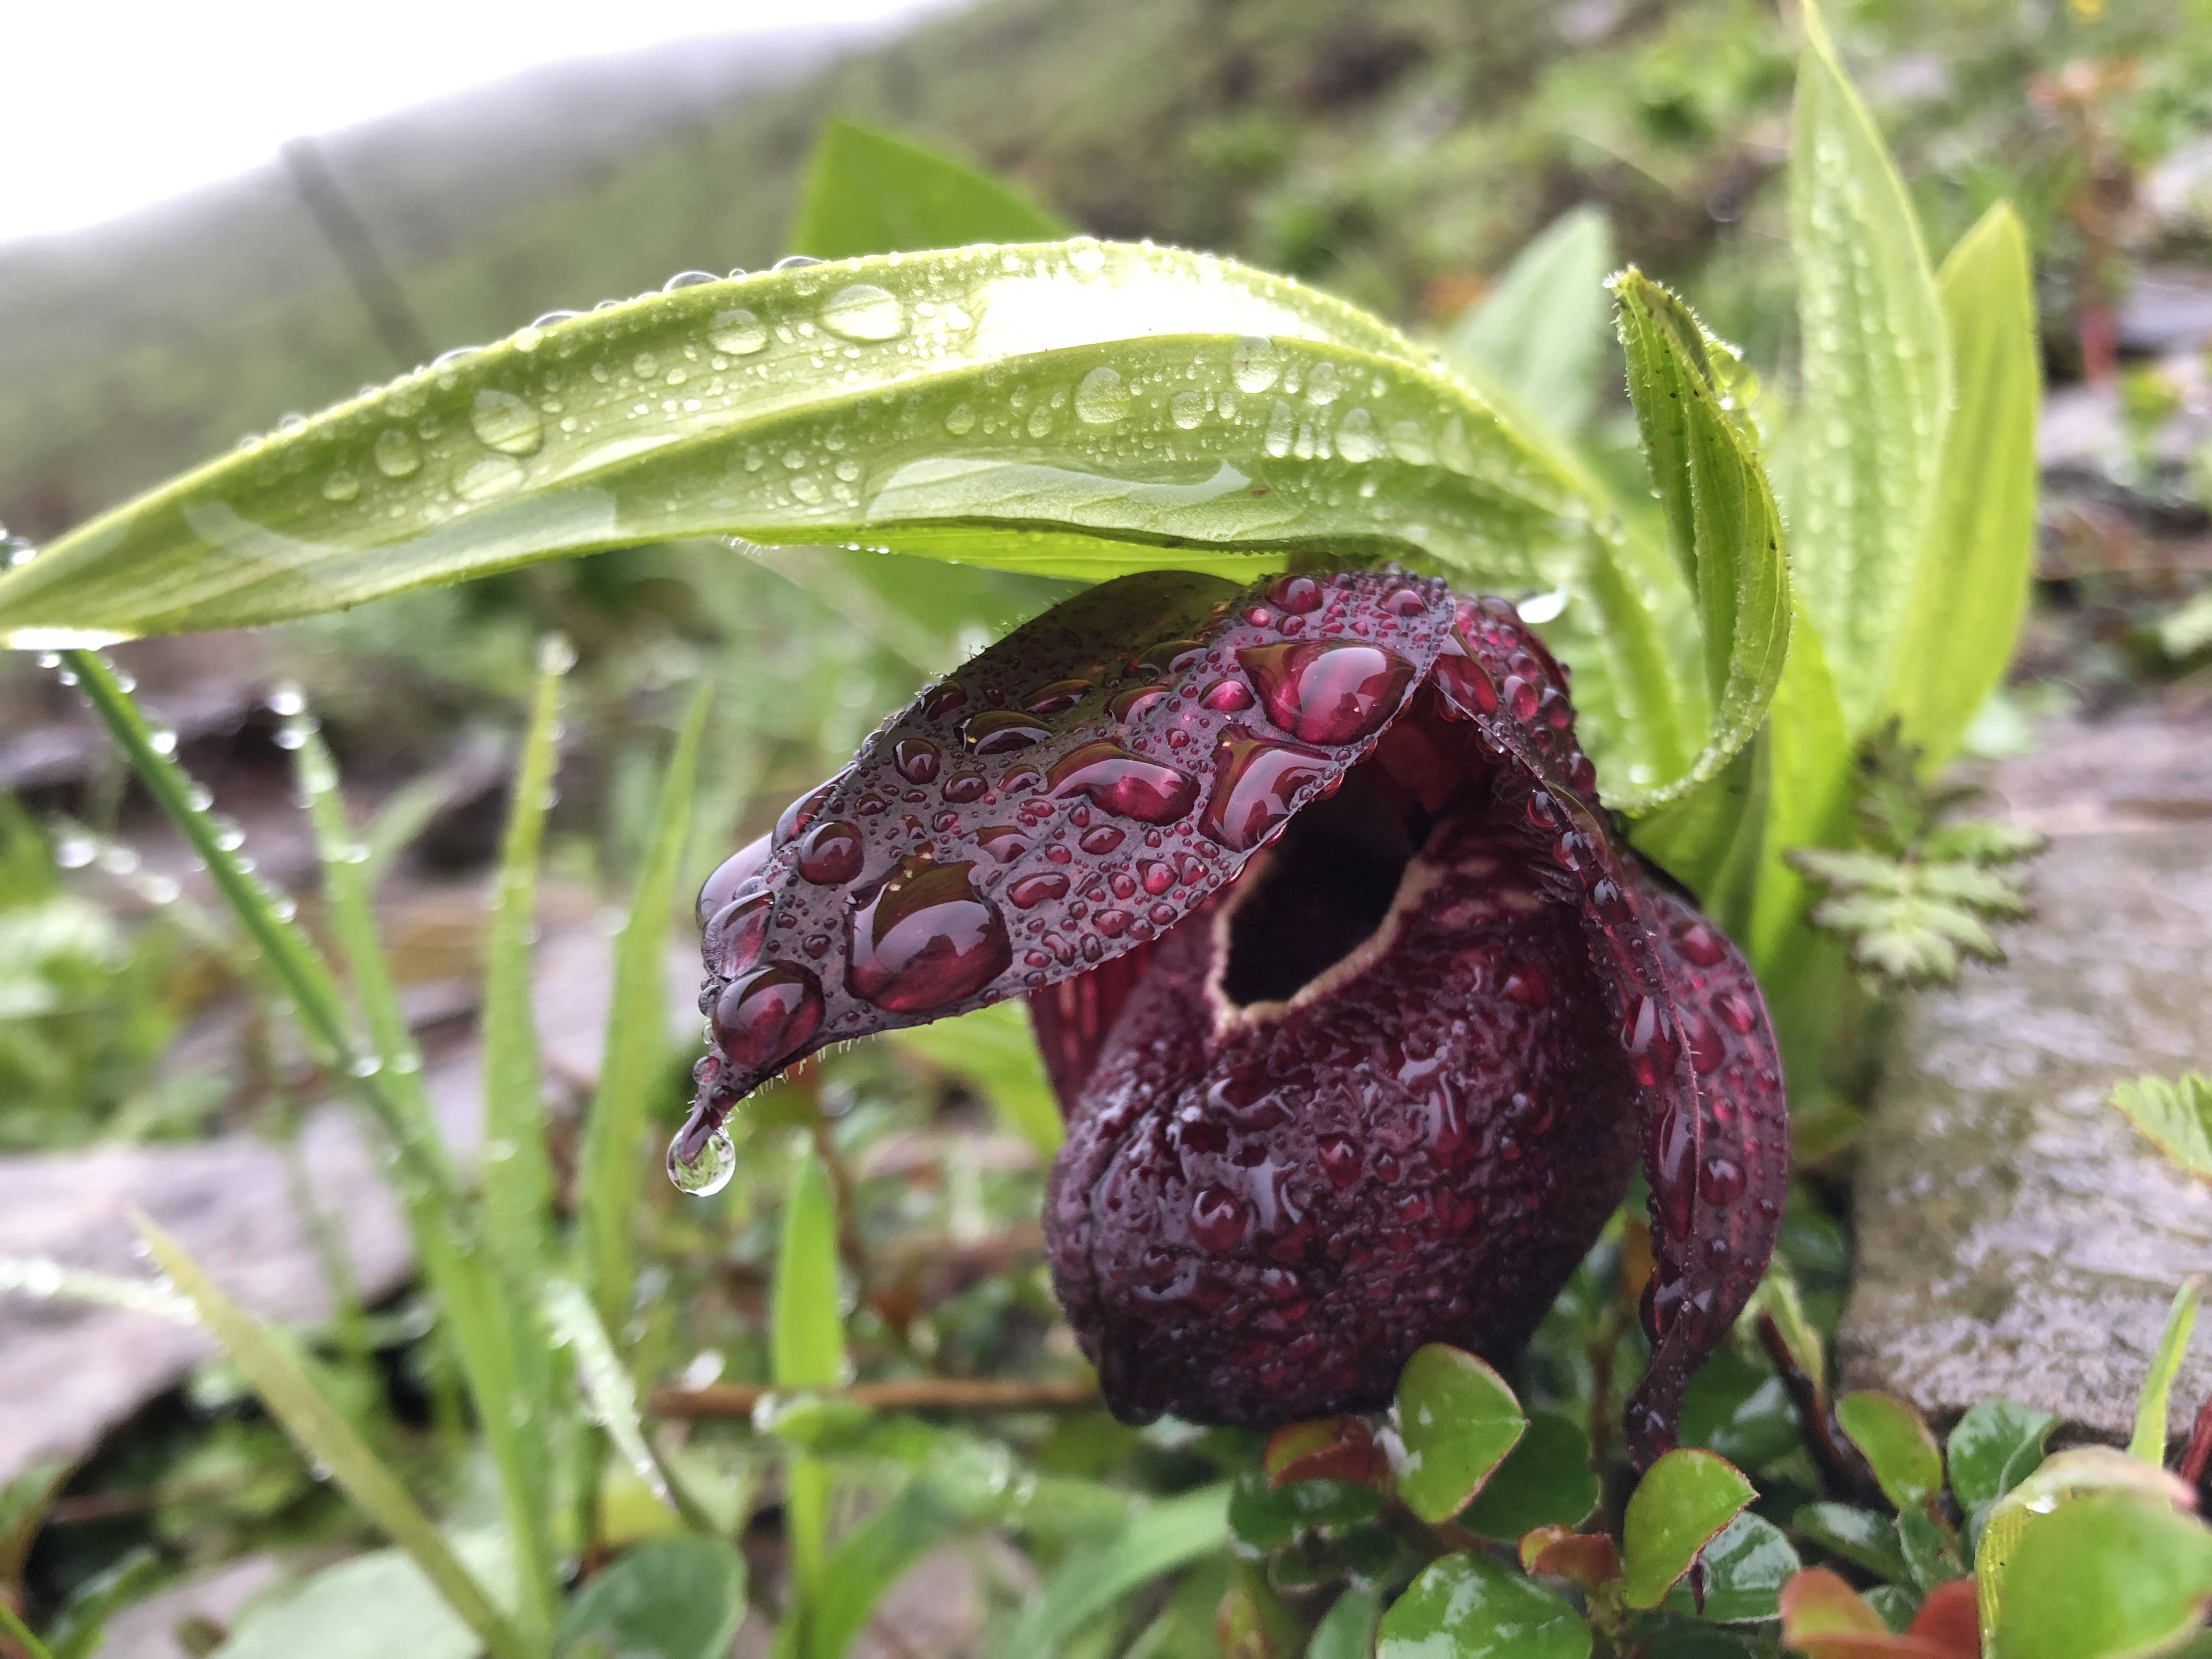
(1683, 1502)
(1896, 1444)
(1347, 1630)
(1458, 1420)
(1860, 1536)
(1467, 1607)
(2104, 1577)
(1545, 1481)
(1742, 1572)
(1995, 1446)
(1159, 1538)
(1264, 1518)
(868, 192)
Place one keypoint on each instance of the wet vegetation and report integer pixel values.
(542, 631)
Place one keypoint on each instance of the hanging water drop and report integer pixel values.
(707, 1170)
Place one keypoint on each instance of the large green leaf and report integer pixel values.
(1971, 589)
(868, 192)
(1537, 337)
(1721, 517)
(670, 1598)
(2105, 1576)
(1076, 410)
(1870, 435)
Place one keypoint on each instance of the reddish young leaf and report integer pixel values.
(1328, 1449)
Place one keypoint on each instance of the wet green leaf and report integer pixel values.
(868, 192)
(1897, 1446)
(1743, 1570)
(1860, 1536)
(1683, 1501)
(1545, 1480)
(372, 1607)
(2064, 1477)
(671, 1598)
(613, 1164)
(2148, 1440)
(1262, 1518)
(1467, 1606)
(1969, 588)
(1931, 1554)
(1739, 1408)
(1347, 1630)
(2102, 1576)
(1536, 338)
(1877, 381)
(992, 1049)
(1995, 1446)
(2175, 1116)
(1078, 409)
(1458, 1420)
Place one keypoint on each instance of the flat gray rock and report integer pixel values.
(2016, 1238)
(69, 1370)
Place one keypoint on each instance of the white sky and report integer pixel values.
(111, 107)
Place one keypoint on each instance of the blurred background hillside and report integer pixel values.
(1398, 152)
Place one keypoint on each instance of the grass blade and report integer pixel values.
(2148, 1440)
(501, 1355)
(20, 1633)
(518, 1173)
(324, 1435)
(1159, 1538)
(611, 1395)
(1877, 379)
(612, 1164)
(806, 1346)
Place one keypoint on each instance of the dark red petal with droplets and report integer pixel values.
(1358, 1011)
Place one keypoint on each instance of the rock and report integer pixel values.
(70, 1371)
(2016, 1239)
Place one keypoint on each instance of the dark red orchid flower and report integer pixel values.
(1356, 1005)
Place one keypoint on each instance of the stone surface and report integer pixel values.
(70, 1371)
(2015, 1237)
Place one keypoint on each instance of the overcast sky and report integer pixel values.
(113, 107)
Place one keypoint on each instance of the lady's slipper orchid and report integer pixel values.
(1355, 1003)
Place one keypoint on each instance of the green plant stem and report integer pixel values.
(19, 1632)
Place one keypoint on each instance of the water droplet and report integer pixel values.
(1124, 784)
(1701, 944)
(960, 420)
(1331, 691)
(917, 758)
(395, 454)
(830, 853)
(925, 940)
(1721, 1180)
(1252, 363)
(1002, 732)
(767, 1015)
(864, 312)
(964, 786)
(1322, 384)
(1032, 890)
(495, 474)
(1217, 1219)
(687, 279)
(1101, 398)
(1339, 1160)
(739, 332)
(1356, 437)
(1282, 425)
(793, 261)
(503, 422)
(1297, 594)
(1188, 410)
(1227, 696)
(732, 874)
(1738, 1010)
(709, 1170)
(1253, 784)
(341, 486)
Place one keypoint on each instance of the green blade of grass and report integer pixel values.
(479, 1289)
(1159, 1538)
(518, 1173)
(612, 1164)
(2148, 1440)
(20, 1633)
(806, 1350)
(324, 1434)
